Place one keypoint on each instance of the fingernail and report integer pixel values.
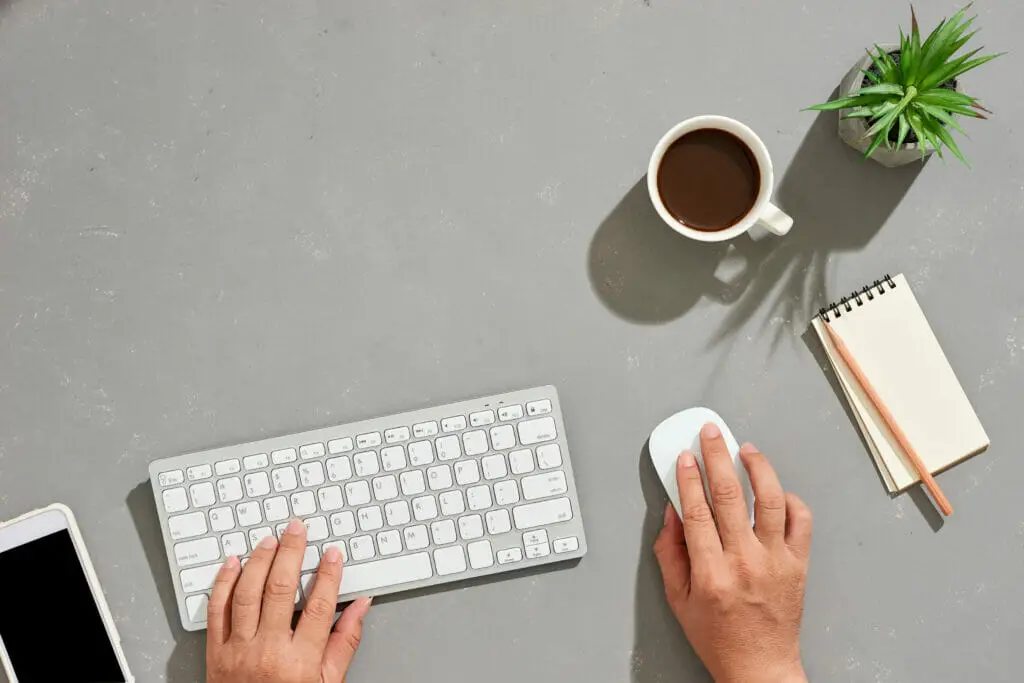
(231, 562)
(267, 543)
(295, 527)
(748, 448)
(688, 459)
(710, 431)
(333, 555)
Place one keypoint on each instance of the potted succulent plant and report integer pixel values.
(900, 101)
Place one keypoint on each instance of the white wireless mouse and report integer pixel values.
(681, 432)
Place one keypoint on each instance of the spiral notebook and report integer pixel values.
(888, 335)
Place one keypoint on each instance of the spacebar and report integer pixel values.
(369, 576)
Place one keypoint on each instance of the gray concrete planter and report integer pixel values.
(852, 130)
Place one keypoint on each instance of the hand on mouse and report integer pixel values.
(248, 627)
(737, 592)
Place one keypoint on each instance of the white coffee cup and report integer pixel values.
(762, 213)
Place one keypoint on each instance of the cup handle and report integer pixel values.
(775, 220)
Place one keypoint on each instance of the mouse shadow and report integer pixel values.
(917, 495)
(661, 651)
(187, 663)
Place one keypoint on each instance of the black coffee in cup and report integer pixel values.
(709, 179)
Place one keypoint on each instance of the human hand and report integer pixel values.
(248, 624)
(737, 592)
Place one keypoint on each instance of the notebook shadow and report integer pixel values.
(917, 495)
(660, 650)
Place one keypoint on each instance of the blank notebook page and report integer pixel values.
(897, 350)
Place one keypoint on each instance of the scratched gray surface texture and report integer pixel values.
(223, 220)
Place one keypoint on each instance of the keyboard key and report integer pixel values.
(536, 431)
(416, 537)
(275, 509)
(336, 446)
(566, 545)
(343, 523)
(306, 582)
(510, 413)
(479, 497)
(443, 532)
(226, 467)
(475, 442)
(222, 519)
(385, 488)
(199, 578)
(424, 508)
(357, 493)
(494, 466)
(303, 503)
(424, 429)
(339, 469)
(362, 549)
(412, 482)
(234, 544)
(255, 462)
(542, 513)
(312, 450)
(175, 500)
(397, 513)
(421, 453)
(536, 551)
(549, 456)
(503, 437)
(498, 522)
(280, 529)
(543, 485)
(311, 474)
(467, 472)
(370, 518)
(316, 529)
(366, 463)
(393, 458)
(170, 478)
(396, 435)
(310, 559)
(257, 484)
(284, 479)
(480, 555)
(196, 552)
(389, 542)
(199, 472)
(371, 440)
(229, 489)
(439, 477)
(510, 555)
(506, 492)
(453, 424)
(330, 498)
(284, 456)
(452, 503)
(450, 560)
(538, 407)
(448, 448)
(248, 513)
(340, 545)
(521, 461)
(535, 537)
(481, 419)
(202, 494)
(392, 571)
(471, 526)
(258, 534)
(196, 606)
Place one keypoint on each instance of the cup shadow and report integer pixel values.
(660, 650)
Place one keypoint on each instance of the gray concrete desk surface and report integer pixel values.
(222, 220)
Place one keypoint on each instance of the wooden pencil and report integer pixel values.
(922, 470)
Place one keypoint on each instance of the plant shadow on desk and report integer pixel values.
(187, 663)
(660, 650)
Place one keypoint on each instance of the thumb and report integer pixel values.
(344, 641)
(673, 558)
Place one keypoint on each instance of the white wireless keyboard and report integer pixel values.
(416, 499)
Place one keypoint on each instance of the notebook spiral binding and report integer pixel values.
(858, 297)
